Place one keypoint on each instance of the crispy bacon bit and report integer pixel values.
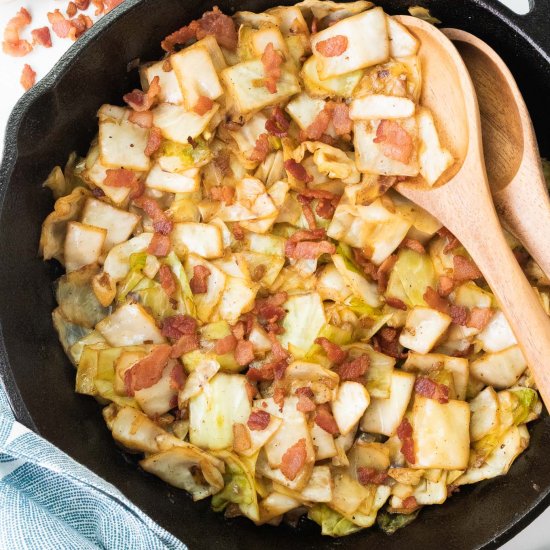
(308, 212)
(261, 148)
(147, 371)
(325, 209)
(181, 36)
(100, 8)
(224, 193)
(294, 459)
(404, 433)
(42, 37)
(161, 223)
(279, 368)
(435, 301)
(185, 344)
(410, 503)
(176, 326)
(452, 241)
(98, 192)
(340, 118)
(459, 314)
(325, 420)
(297, 171)
(308, 250)
(159, 245)
(251, 391)
(225, 345)
(222, 161)
(396, 303)
(306, 391)
(28, 77)
(177, 376)
(272, 61)
(354, 369)
(143, 101)
(241, 438)
(387, 341)
(445, 286)
(269, 310)
(144, 119)
(238, 231)
(82, 4)
(277, 124)
(334, 352)
(263, 373)
(413, 244)
(121, 177)
(305, 402)
(480, 317)
(258, 420)
(167, 280)
(199, 281)
(71, 9)
(395, 141)
(12, 44)
(60, 26)
(279, 397)
(239, 330)
(111, 4)
(279, 353)
(153, 141)
(203, 105)
(333, 46)
(431, 389)
(383, 272)
(244, 352)
(465, 270)
(318, 127)
(370, 476)
(307, 235)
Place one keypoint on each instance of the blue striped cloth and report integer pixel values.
(49, 501)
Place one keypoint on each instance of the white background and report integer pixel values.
(537, 535)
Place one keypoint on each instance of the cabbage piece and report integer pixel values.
(178, 124)
(366, 290)
(379, 106)
(63, 182)
(121, 143)
(129, 325)
(117, 263)
(331, 285)
(368, 455)
(187, 181)
(352, 400)
(68, 333)
(423, 328)
(303, 321)
(424, 14)
(348, 494)
(318, 489)
(90, 338)
(275, 505)
(339, 86)
(212, 413)
(501, 369)
(323, 443)
(118, 223)
(77, 300)
(484, 409)
(332, 11)
(321, 381)
(367, 43)
(201, 374)
(441, 433)
(158, 399)
(267, 265)
(54, 227)
(169, 87)
(240, 80)
(384, 415)
(469, 295)
(197, 238)
(247, 135)
(497, 335)
(186, 296)
(237, 298)
(259, 438)
(402, 42)
(332, 523)
(304, 109)
(83, 245)
(528, 406)
(373, 227)
(239, 487)
(390, 523)
(177, 467)
(178, 157)
(157, 302)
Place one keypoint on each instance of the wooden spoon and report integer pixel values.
(463, 204)
(512, 156)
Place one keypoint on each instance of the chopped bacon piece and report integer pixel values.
(445, 286)
(112, 4)
(181, 36)
(153, 141)
(159, 245)
(199, 281)
(459, 314)
(410, 503)
(239, 330)
(224, 193)
(465, 270)
(28, 77)
(308, 212)
(431, 389)
(395, 141)
(325, 209)
(305, 403)
(258, 420)
(12, 44)
(272, 61)
(225, 345)
(452, 241)
(144, 119)
(368, 476)
(480, 317)
(161, 222)
(42, 37)
(177, 376)
(100, 8)
(307, 235)
(121, 177)
(244, 352)
(261, 148)
(277, 124)
(222, 161)
(294, 459)
(62, 27)
(279, 368)
(71, 9)
(251, 391)
(318, 127)
(354, 369)
(334, 352)
(176, 326)
(143, 101)
(325, 420)
(279, 353)
(383, 272)
(80, 24)
(185, 344)
(387, 341)
(435, 301)
(147, 371)
(340, 118)
(203, 105)
(308, 250)
(413, 244)
(304, 390)
(333, 46)
(396, 303)
(167, 280)
(404, 433)
(263, 373)
(279, 397)
(82, 4)
(269, 310)
(297, 171)
(238, 231)
(241, 438)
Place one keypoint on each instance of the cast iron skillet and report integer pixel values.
(58, 116)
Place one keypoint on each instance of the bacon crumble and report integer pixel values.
(297, 171)
(147, 371)
(371, 476)
(13, 45)
(153, 141)
(396, 142)
(272, 61)
(203, 105)
(333, 46)
(334, 352)
(354, 369)
(159, 245)
(258, 420)
(294, 459)
(199, 281)
(143, 101)
(431, 389)
(28, 77)
(325, 420)
(42, 37)
(405, 433)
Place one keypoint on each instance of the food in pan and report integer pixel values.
(262, 315)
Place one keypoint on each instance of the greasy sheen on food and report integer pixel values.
(262, 316)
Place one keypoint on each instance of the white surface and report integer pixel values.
(537, 535)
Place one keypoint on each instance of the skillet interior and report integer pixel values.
(58, 116)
